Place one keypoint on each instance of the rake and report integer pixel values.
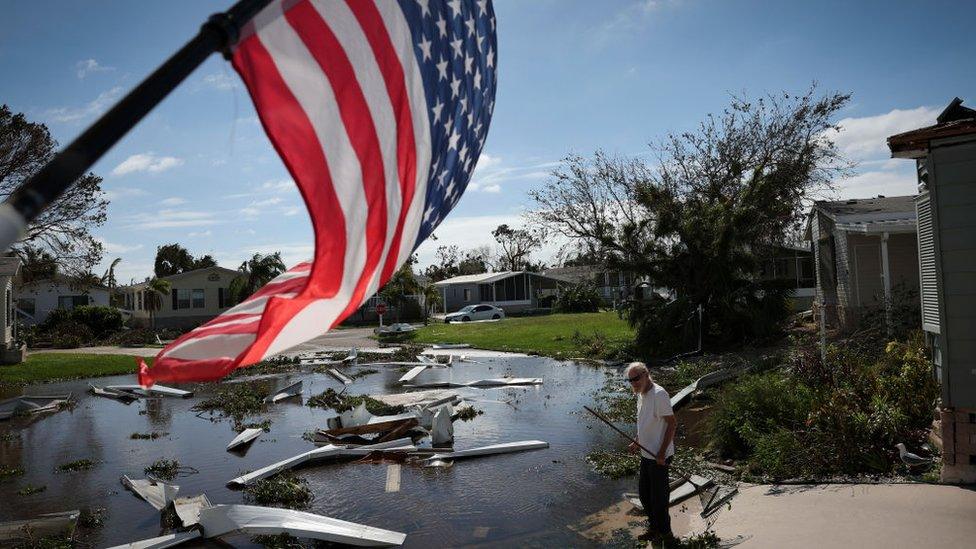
(709, 496)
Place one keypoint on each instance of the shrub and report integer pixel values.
(756, 406)
(134, 337)
(101, 320)
(579, 298)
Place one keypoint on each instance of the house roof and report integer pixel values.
(9, 266)
(954, 121)
(487, 278)
(185, 274)
(879, 214)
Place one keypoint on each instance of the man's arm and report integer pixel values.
(662, 452)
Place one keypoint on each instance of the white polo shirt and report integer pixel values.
(652, 407)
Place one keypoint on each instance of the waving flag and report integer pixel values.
(379, 110)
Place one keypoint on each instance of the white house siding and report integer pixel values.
(842, 265)
(45, 295)
(7, 286)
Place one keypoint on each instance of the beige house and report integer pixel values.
(865, 252)
(195, 297)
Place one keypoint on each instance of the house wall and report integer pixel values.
(953, 169)
(825, 294)
(46, 293)
(213, 282)
(454, 296)
(7, 315)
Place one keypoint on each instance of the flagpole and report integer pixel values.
(219, 33)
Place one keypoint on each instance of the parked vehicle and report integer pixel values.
(476, 312)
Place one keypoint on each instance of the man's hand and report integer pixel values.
(633, 448)
(661, 460)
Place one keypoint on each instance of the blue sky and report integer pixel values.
(574, 76)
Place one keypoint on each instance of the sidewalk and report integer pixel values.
(854, 515)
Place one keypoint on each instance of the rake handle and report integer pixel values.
(615, 428)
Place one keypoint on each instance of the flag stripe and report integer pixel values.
(334, 62)
(403, 43)
(379, 41)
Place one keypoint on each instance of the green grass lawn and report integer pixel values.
(550, 335)
(56, 366)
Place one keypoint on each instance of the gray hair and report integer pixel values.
(638, 367)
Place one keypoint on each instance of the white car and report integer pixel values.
(476, 312)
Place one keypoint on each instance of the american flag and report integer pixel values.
(379, 110)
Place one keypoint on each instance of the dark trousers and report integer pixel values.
(655, 493)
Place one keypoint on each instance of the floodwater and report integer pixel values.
(524, 499)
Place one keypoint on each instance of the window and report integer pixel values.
(198, 300)
(184, 298)
(68, 302)
(467, 294)
(139, 304)
(27, 305)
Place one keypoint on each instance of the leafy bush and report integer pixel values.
(135, 337)
(842, 416)
(754, 407)
(579, 298)
(101, 320)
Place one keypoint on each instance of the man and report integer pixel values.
(655, 432)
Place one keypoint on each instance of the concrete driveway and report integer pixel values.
(836, 515)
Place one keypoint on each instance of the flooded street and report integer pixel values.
(525, 499)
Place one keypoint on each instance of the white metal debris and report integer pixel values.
(451, 346)
(31, 404)
(393, 477)
(504, 448)
(290, 391)
(223, 519)
(442, 428)
(155, 390)
(681, 492)
(343, 378)
(325, 452)
(188, 508)
(499, 382)
(155, 492)
(414, 372)
(429, 398)
(161, 542)
(107, 393)
(245, 436)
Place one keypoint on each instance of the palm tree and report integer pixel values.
(255, 273)
(153, 294)
(432, 298)
(108, 279)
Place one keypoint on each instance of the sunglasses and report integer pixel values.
(635, 379)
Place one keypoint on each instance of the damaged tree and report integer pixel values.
(702, 220)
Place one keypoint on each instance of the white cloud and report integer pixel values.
(491, 172)
(115, 193)
(631, 18)
(166, 219)
(885, 182)
(93, 108)
(198, 234)
(116, 248)
(221, 81)
(88, 66)
(292, 210)
(866, 137)
(172, 201)
(278, 185)
(272, 186)
(267, 202)
(146, 162)
(250, 212)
